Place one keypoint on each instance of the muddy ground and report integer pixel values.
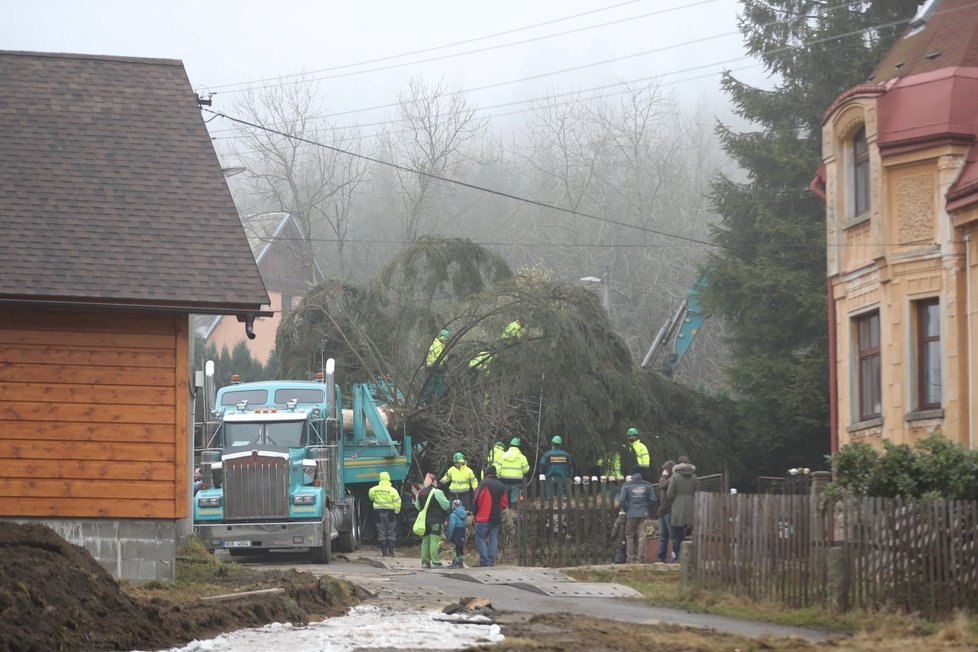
(55, 596)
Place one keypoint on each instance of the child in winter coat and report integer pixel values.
(618, 537)
(456, 531)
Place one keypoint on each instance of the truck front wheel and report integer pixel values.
(321, 553)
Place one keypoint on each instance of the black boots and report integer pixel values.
(387, 549)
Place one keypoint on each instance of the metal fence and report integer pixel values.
(918, 555)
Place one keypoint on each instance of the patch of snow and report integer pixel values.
(364, 627)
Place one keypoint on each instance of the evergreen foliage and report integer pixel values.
(767, 278)
(569, 374)
(932, 468)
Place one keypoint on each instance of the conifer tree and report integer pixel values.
(767, 276)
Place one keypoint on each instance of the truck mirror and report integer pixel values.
(332, 431)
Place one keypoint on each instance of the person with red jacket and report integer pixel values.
(488, 503)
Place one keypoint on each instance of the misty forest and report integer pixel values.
(587, 217)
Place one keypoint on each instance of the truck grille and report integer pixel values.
(256, 489)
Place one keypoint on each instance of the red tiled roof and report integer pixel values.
(110, 190)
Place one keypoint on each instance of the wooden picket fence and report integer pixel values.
(563, 523)
(917, 555)
(560, 523)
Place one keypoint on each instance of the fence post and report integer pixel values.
(835, 584)
(687, 561)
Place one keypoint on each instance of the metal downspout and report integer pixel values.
(833, 375)
(969, 308)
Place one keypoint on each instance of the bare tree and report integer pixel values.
(435, 127)
(291, 172)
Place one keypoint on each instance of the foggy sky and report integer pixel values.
(223, 42)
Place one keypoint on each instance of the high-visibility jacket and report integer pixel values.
(513, 465)
(513, 330)
(461, 479)
(495, 455)
(641, 453)
(611, 464)
(434, 351)
(481, 361)
(384, 495)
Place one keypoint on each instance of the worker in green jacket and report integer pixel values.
(642, 459)
(461, 481)
(556, 465)
(434, 364)
(387, 505)
(512, 466)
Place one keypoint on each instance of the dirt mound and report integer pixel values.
(55, 596)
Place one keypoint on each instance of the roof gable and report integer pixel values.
(110, 190)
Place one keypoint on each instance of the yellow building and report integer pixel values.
(900, 181)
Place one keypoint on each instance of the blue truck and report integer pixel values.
(288, 465)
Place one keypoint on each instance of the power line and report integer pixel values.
(562, 71)
(252, 83)
(458, 182)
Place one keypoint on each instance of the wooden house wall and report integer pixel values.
(93, 414)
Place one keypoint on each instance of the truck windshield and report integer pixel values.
(287, 433)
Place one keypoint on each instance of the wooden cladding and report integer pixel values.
(93, 414)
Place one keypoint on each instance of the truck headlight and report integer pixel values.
(304, 500)
(210, 501)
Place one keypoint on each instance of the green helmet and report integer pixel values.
(515, 441)
(444, 333)
(556, 441)
(459, 457)
(500, 444)
(632, 432)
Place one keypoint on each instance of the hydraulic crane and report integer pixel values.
(677, 333)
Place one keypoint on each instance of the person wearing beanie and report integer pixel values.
(488, 503)
(637, 498)
(456, 531)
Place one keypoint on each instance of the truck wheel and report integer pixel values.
(321, 554)
(349, 541)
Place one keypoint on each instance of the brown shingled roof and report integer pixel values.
(110, 190)
(949, 38)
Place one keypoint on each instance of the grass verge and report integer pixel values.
(660, 585)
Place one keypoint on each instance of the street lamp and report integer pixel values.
(605, 299)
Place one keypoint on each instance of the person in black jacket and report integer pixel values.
(434, 520)
(488, 503)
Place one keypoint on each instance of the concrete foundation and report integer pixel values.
(132, 549)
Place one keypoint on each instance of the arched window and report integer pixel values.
(860, 173)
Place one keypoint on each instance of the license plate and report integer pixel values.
(237, 544)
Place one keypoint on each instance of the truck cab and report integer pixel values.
(284, 470)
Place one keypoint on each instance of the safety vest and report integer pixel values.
(495, 455)
(462, 479)
(434, 351)
(513, 465)
(513, 330)
(641, 453)
(385, 496)
(481, 361)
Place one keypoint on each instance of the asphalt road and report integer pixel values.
(400, 582)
